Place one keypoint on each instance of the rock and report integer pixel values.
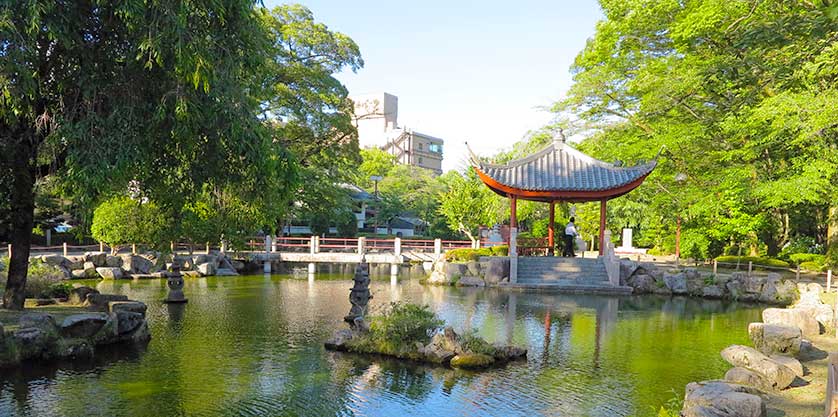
(339, 340)
(735, 289)
(779, 375)
(712, 291)
(786, 291)
(792, 317)
(73, 348)
(78, 295)
(75, 262)
(744, 376)
(722, 399)
(435, 353)
(443, 346)
(100, 302)
(55, 260)
(237, 265)
(790, 363)
(497, 270)
(473, 268)
(472, 361)
(113, 261)
(80, 274)
(627, 269)
(810, 294)
(454, 271)
(83, 325)
(642, 283)
(206, 269)
(30, 342)
(775, 338)
(508, 353)
(471, 282)
(109, 272)
(822, 313)
(677, 282)
(138, 336)
(128, 321)
(753, 284)
(135, 264)
(132, 306)
(98, 258)
(41, 321)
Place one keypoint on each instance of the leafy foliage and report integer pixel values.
(399, 328)
(121, 221)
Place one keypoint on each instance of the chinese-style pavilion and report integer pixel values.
(560, 173)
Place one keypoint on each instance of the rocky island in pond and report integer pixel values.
(413, 332)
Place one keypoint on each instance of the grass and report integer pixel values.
(398, 329)
(757, 261)
(9, 318)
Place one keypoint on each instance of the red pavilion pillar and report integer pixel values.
(551, 229)
(602, 212)
(513, 211)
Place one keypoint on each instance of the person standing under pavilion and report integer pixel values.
(570, 234)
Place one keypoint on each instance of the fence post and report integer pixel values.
(750, 267)
(715, 267)
(362, 243)
(397, 246)
(437, 247)
(101, 246)
(317, 244)
(10, 251)
(273, 243)
(797, 273)
(223, 246)
(312, 246)
(207, 248)
(133, 249)
(65, 248)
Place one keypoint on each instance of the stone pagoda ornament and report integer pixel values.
(359, 296)
(175, 283)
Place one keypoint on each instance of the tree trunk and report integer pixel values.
(22, 213)
(832, 227)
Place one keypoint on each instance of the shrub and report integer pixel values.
(466, 255)
(799, 258)
(473, 343)
(122, 221)
(42, 280)
(813, 266)
(500, 250)
(757, 260)
(400, 327)
(658, 251)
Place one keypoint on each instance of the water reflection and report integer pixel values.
(253, 346)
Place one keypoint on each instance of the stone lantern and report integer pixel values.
(359, 295)
(174, 281)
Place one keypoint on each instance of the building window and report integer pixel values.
(435, 148)
(421, 161)
(419, 146)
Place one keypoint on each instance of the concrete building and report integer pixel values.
(376, 117)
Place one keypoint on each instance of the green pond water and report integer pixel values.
(253, 345)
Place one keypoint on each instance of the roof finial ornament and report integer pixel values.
(561, 137)
(473, 158)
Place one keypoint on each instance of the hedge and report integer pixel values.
(466, 255)
(757, 260)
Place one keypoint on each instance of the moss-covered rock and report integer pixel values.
(472, 361)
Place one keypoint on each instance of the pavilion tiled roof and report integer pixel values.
(559, 167)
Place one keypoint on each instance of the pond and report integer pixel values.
(253, 345)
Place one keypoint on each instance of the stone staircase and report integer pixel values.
(565, 274)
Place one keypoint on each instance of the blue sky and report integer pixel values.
(476, 71)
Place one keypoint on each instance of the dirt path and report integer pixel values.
(807, 398)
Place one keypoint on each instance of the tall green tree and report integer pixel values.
(165, 95)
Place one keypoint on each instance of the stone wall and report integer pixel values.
(151, 265)
(40, 336)
(649, 278)
(489, 271)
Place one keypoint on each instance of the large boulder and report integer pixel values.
(113, 261)
(78, 295)
(100, 302)
(31, 342)
(775, 338)
(779, 375)
(109, 272)
(810, 294)
(790, 363)
(471, 282)
(131, 306)
(75, 262)
(340, 340)
(744, 376)
(497, 270)
(753, 284)
(455, 271)
(128, 321)
(438, 276)
(504, 353)
(98, 258)
(642, 283)
(627, 269)
(206, 269)
(473, 268)
(83, 325)
(822, 313)
(135, 264)
(676, 282)
(55, 260)
(442, 347)
(792, 317)
(712, 291)
(43, 321)
(722, 399)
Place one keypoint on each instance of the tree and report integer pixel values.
(374, 162)
(122, 221)
(467, 204)
(163, 94)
